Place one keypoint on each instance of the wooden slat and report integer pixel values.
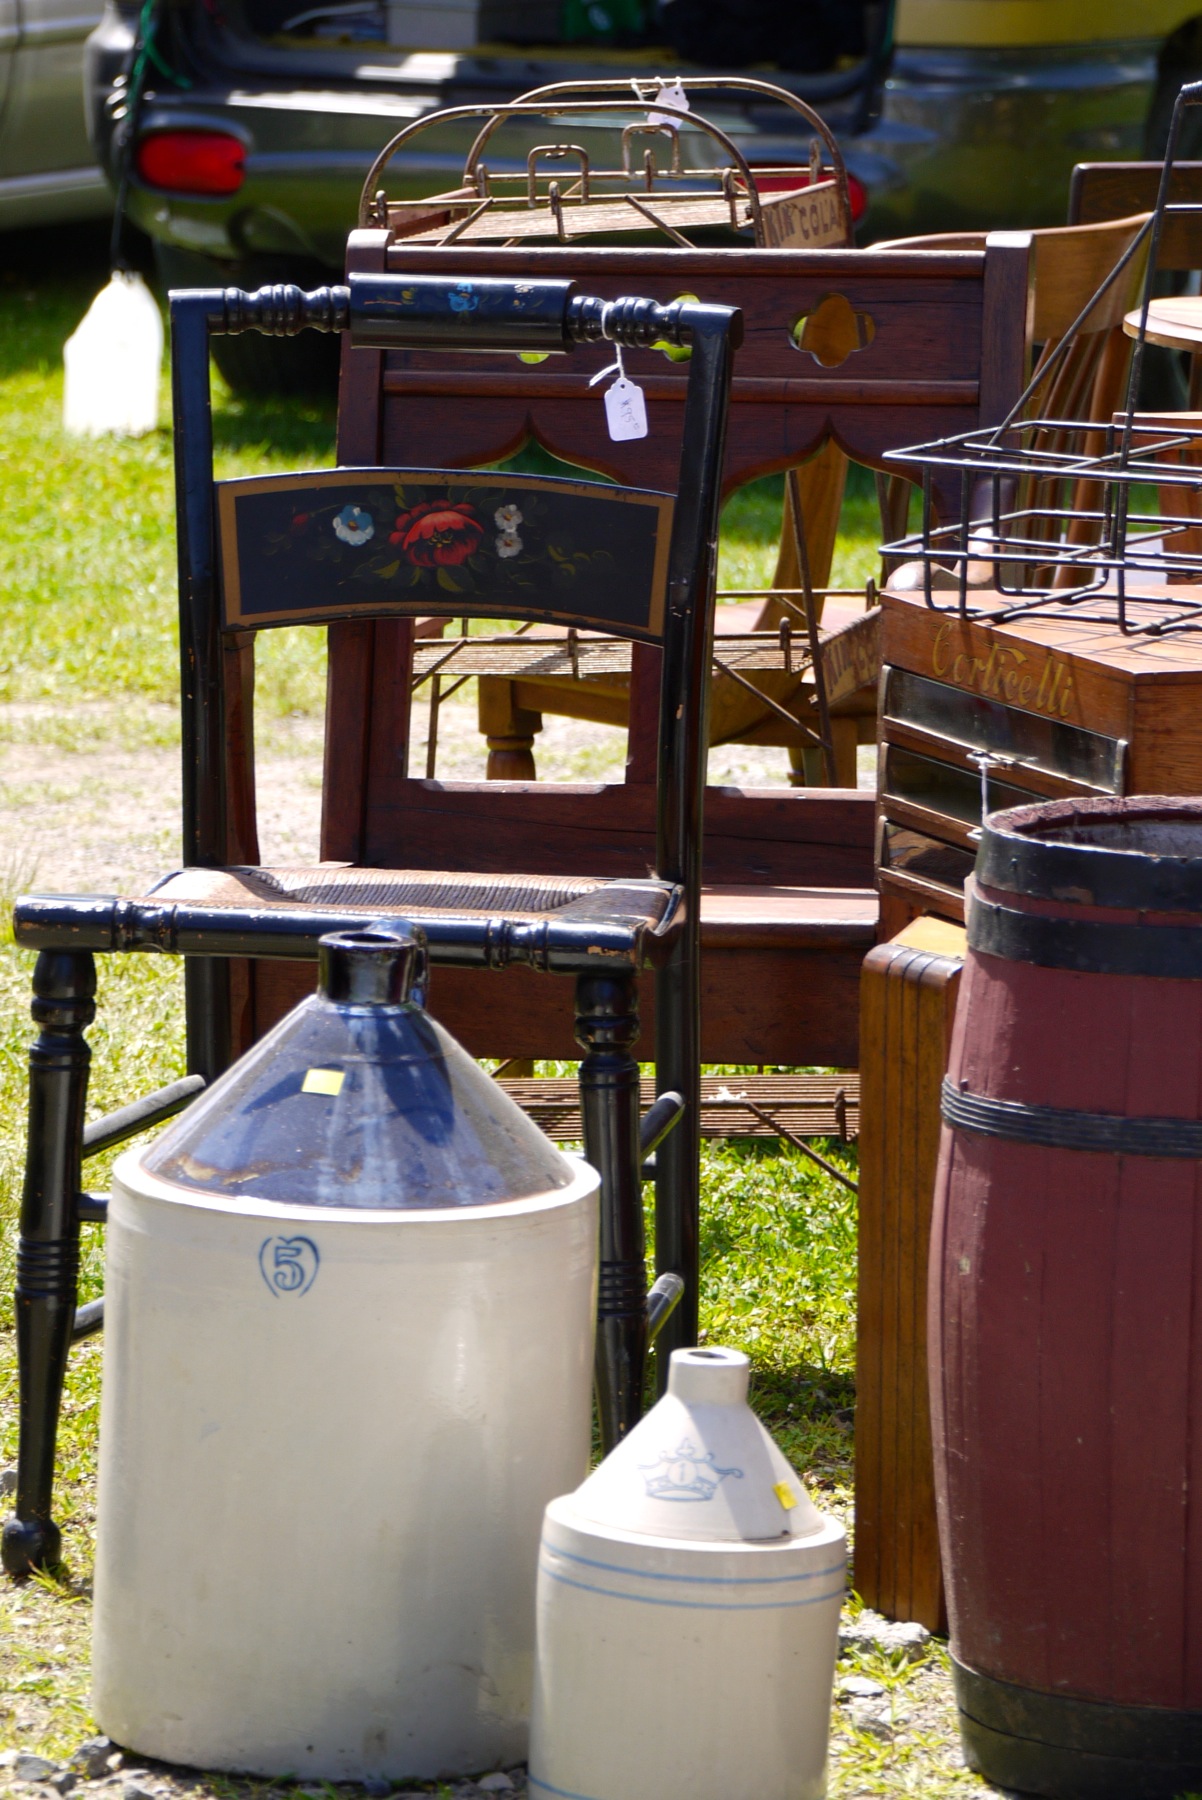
(581, 218)
(792, 1007)
(799, 837)
(908, 993)
(806, 1105)
(531, 654)
(751, 390)
(881, 273)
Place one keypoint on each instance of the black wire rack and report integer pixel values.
(1101, 522)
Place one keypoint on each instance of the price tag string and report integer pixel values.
(625, 405)
(618, 368)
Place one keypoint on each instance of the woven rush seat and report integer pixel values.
(426, 890)
(730, 915)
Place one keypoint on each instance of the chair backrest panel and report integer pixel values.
(1114, 190)
(1071, 263)
(380, 542)
(564, 828)
(939, 349)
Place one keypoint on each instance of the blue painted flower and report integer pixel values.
(353, 525)
(462, 299)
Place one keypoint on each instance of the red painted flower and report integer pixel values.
(435, 533)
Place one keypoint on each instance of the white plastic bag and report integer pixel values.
(113, 362)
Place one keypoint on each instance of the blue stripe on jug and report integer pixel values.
(534, 1785)
(699, 1605)
(589, 1562)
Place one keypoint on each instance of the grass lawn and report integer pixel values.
(86, 552)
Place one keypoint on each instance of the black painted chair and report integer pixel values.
(370, 543)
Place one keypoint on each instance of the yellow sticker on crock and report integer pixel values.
(323, 1081)
(785, 1495)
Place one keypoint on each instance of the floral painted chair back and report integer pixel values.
(346, 543)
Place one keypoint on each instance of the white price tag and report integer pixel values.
(625, 410)
(672, 94)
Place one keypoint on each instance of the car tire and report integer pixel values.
(250, 363)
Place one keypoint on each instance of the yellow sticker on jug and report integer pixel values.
(785, 1495)
(322, 1081)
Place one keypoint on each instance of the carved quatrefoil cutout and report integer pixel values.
(833, 331)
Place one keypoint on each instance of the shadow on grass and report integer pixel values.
(810, 1411)
(804, 1389)
(302, 431)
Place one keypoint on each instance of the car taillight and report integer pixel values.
(857, 193)
(192, 162)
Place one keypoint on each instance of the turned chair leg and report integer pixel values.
(508, 729)
(607, 1025)
(64, 985)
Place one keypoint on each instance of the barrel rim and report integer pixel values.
(1085, 946)
(1014, 859)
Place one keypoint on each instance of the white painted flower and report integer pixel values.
(353, 525)
(507, 518)
(509, 543)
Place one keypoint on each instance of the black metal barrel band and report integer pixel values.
(1090, 946)
(1065, 1128)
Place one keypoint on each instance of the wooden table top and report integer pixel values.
(1174, 321)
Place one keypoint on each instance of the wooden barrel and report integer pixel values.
(1065, 1326)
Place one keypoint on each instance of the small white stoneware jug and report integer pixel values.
(688, 1611)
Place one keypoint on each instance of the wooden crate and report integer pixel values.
(1075, 708)
(907, 999)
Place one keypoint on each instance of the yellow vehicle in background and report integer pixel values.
(989, 103)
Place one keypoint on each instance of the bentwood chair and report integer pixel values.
(1071, 262)
(355, 544)
(1100, 191)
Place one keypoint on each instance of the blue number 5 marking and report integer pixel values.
(289, 1265)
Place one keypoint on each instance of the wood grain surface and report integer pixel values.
(1065, 1292)
(907, 1001)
